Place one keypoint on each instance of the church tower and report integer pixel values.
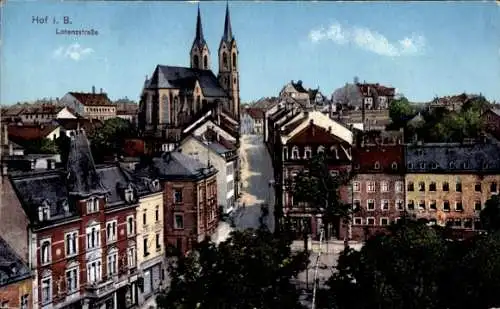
(228, 66)
(200, 54)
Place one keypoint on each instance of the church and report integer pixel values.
(177, 100)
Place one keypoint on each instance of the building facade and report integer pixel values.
(252, 121)
(448, 184)
(90, 105)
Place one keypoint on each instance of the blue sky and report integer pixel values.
(423, 49)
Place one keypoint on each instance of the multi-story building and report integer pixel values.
(15, 279)
(189, 198)
(376, 96)
(378, 189)
(90, 105)
(295, 141)
(36, 113)
(449, 184)
(491, 119)
(295, 91)
(81, 233)
(174, 98)
(212, 148)
(252, 120)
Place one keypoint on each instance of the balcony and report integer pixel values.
(99, 289)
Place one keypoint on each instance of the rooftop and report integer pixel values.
(92, 99)
(12, 269)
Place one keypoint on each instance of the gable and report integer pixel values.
(314, 134)
(211, 125)
(65, 114)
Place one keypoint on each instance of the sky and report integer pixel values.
(423, 49)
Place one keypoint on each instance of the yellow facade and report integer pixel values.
(149, 224)
(472, 191)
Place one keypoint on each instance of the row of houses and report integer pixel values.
(447, 184)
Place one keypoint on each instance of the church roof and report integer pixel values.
(228, 33)
(172, 77)
(199, 39)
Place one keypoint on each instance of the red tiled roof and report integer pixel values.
(366, 157)
(134, 147)
(29, 132)
(92, 99)
(255, 113)
(366, 89)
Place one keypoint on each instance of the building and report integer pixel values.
(295, 141)
(15, 279)
(378, 188)
(7, 147)
(189, 198)
(252, 121)
(491, 120)
(36, 113)
(128, 110)
(90, 105)
(448, 184)
(451, 103)
(71, 126)
(175, 98)
(211, 148)
(21, 134)
(81, 233)
(296, 91)
(376, 96)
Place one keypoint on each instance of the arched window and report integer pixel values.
(335, 152)
(321, 150)
(198, 103)
(295, 152)
(234, 61)
(166, 109)
(205, 62)
(224, 59)
(45, 252)
(196, 62)
(307, 153)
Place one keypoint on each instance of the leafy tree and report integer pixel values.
(63, 143)
(490, 215)
(110, 138)
(40, 146)
(318, 190)
(400, 111)
(252, 269)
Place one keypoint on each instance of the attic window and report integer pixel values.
(295, 152)
(129, 194)
(420, 152)
(410, 166)
(434, 165)
(92, 205)
(44, 211)
(422, 165)
(452, 164)
(334, 151)
(465, 164)
(356, 166)
(321, 150)
(394, 166)
(156, 184)
(377, 165)
(285, 153)
(307, 153)
(485, 165)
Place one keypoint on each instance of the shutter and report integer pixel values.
(156, 276)
(147, 282)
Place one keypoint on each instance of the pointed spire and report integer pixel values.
(199, 38)
(228, 33)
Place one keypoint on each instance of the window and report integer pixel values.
(94, 271)
(321, 150)
(394, 166)
(399, 204)
(446, 205)
(458, 187)
(93, 237)
(421, 186)
(131, 256)
(493, 187)
(459, 206)
(411, 205)
(371, 186)
(45, 254)
(384, 221)
(377, 165)
(24, 301)
(71, 243)
(44, 212)
(477, 187)
(158, 246)
(356, 205)
(477, 205)
(477, 224)
(145, 246)
(177, 196)
(398, 187)
(446, 186)
(370, 205)
(230, 186)
(72, 279)
(157, 213)
(452, 165)
(432, 186)
(458, 223)
(434, 165)
(384, 186)
(285, 153)
(421, 205)
(396, 220)
(112, 262)
(295, 152)
(384, 205)
(356, 166)
(370, 221)
(410, 166)
(468, 223)
(111, 231)
(92, 205)
(46, 290)
(432, 205)
(465, 164)
(411, 186)
(334, 173)
(144, 218)
(229, 169)
(307, 153)
(358, 221)
(130, 225)
(178, 221)
(356, 186)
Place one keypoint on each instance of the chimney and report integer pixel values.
(93, 89)
(101, 91)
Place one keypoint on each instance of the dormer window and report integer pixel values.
(420, 152)
(422, 165)
(357, 166)
(465, 164)
(434, 165)
(410, 166)
(65, 206)
(321, 150)
(44, 212)
(377, 165)
(307, 153)
(394, 166)
(129, 194)
(155, 185)
(452, 164)
(295, 152)
(334, 151)
(285, 153)
(92, 205)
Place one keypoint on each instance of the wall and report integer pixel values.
(148, 205)
(12, 293)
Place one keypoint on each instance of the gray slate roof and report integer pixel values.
(172, 77)
(215, 146)
(452, 158)
(12, 268)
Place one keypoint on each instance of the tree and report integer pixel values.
(252, 269)
(110, 138)
(490, 215)
(400, 111)
(40, 146)
(318, 189)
